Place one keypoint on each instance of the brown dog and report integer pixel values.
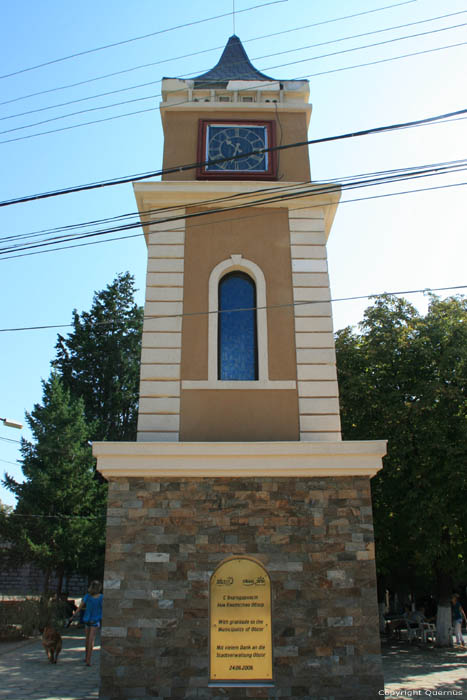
(52, 643)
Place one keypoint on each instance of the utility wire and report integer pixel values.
(217, 200)
(279, 53)
(280, 194)
(192, 166)
(217, 48)
(375, 295)
(428, 168)
(292, 192)
(151, 97)
(345, 201)
(152, 109)
(137, 38)
(304, 77)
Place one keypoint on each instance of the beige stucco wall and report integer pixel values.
(232, 415)
(181, 141)
(262, 236)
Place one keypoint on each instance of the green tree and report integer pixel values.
(403, 377)
(58, 522)
(99, 360)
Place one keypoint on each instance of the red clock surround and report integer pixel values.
(203, 174)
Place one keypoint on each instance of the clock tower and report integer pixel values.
(239, 490)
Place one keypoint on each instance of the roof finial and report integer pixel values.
(233, 15)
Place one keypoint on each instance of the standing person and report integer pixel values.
(92, 618)
(457, 615)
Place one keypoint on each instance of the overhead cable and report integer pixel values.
(139, 235)
(269, 195)
(152, 97)
(278, 53)
(138, 38)
(423, 290)
(304, 77)
(228, 197)
(244, 41)
(192, 166)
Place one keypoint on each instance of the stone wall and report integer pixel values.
(314, 536)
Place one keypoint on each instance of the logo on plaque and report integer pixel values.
(240, 623)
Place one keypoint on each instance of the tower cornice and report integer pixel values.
(169, 194)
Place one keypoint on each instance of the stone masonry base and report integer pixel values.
(313, 535)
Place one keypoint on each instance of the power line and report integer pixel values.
(345, 201)
(293, 187)
(216, 200)
(152, 109)
(175, 208)
(304, 77)
(386, 60)
(279, 53)
(10, 440)
(192, 166)
(151, 97)
(282, 193)
(137, 38)
(216, 48)
(369, 46)
(199, 203)
(423, 290)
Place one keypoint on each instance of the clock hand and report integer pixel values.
(237, 149)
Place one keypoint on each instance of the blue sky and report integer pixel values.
(386, 244)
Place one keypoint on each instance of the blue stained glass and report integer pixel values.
(238, 353)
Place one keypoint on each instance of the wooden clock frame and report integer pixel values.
(203, 174)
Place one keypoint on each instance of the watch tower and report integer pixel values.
(239, 451)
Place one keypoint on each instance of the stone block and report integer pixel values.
(157, 557)
(314, 537)
(112, 584)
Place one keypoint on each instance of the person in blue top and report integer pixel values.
(457, 615)
(92, 617)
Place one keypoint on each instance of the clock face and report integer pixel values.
(235, 148)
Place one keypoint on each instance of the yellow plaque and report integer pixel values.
(240, 622)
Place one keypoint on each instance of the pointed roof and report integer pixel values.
(234, 64)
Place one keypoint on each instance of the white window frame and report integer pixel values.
(237, 262)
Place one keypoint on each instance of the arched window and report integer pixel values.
(237, 331)
(237, 341)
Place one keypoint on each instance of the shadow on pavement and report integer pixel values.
(426, 668)
(27, 674)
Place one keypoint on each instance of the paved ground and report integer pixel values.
(409, 671)
(424, 671)
(26, 674)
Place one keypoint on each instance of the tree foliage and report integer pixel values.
(403, 377)
(92, 394)
(99, 360)
(58, 521)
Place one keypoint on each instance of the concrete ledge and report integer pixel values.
(239, 459)
(301, 196)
